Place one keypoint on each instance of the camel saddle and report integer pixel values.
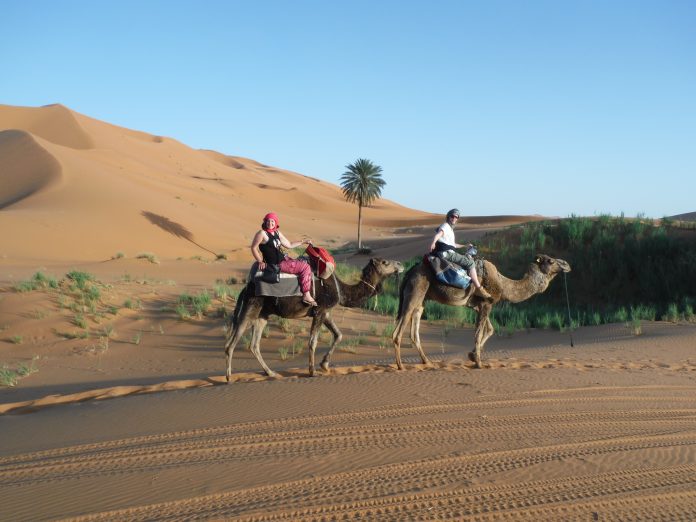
(289, 284)
(449, 273)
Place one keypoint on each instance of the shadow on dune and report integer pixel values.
(175, 229)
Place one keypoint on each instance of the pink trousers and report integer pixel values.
(299, 267)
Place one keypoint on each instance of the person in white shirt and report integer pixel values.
(444, 245)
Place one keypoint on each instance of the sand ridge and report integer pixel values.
(112, 178)
(246, 377)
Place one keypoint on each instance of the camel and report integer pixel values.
(255, 310)
(420, 284)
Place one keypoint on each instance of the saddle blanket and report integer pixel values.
(288, 285)
(448, 273)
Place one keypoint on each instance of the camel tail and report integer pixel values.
(233, 320)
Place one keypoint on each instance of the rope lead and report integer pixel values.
(570, 321)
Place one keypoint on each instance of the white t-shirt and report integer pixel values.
(447, 234)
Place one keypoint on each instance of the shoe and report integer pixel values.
(310, 303)
(482, 292)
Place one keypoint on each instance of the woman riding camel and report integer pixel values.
(444, 246)
(266, 250)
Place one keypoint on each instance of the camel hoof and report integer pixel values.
(272, 375)
(475, 359)
(311, 372)
(325, 367)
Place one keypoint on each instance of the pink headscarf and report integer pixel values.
(274, 217)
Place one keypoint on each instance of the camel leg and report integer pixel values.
(484, 329)
(317, 321)
(248, 315)
(337, 336)
(412, 300)
(415, 333)
(257, 332)
(398, 334)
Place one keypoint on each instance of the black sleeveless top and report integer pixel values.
(270, 250)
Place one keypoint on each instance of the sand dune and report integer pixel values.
(111, 177)
(54, 123)
(27, 167)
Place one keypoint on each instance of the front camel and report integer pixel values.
(252, 310)
(420, 285)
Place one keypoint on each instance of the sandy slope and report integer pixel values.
(75, 188)
(602, 431)
(181, 202)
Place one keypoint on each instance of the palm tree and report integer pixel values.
(362, 183)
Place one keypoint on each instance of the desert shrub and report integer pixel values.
(635, 327)
(672, 313)
(385, 304)
(152, 258)
(620, 315)
(182, 311)
(645, 312)
(222, 291)
(11, 376)
(79, 321)
(132, 304)
(284, 325)
(80, 279)
(37, 281)
(198, 304)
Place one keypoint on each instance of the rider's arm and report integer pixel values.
(439, 234)
(255, 251)
(287, 244)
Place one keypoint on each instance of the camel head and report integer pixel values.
(385, 267)
(550, 266)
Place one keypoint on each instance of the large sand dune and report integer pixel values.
(118, 188)
(79, 189)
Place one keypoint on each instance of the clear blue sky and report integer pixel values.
(495, 107)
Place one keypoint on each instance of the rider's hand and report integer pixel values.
(262, 265)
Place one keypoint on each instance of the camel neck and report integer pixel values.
(355, 295)
(517, 290)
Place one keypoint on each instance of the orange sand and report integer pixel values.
(134, 422)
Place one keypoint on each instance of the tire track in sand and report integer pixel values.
(496, 431)
(353, 489)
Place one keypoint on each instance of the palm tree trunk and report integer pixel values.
(359, 225)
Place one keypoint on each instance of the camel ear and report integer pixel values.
(538, 259)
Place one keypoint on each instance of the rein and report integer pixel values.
(368, 284)
(570, 321)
